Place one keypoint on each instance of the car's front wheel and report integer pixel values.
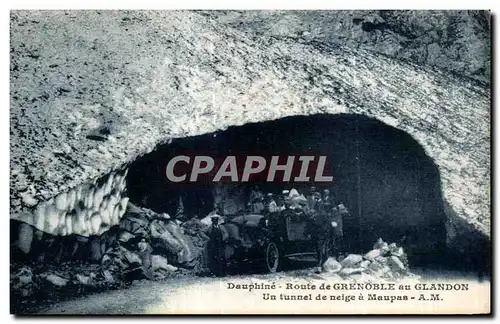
(327, 250)
(272, 257)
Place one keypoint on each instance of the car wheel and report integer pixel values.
(328, 248)
(272, 257)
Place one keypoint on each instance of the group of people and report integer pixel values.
(324, 212)
(312, 202)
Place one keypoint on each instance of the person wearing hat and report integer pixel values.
(256, 201)
(215, 213)
(272, 207)
(280, 203)
(284, 195)
(216, 247)
(312, 200)
(338, 215)
(144, 252)
(322, 220)
(327, 200)
(295, 199)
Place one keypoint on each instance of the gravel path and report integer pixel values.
(150, 296)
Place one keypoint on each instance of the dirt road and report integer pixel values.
(235, 295)
(144, 297)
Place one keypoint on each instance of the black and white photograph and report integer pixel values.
(250, 162)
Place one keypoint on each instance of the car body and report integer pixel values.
(265, 241)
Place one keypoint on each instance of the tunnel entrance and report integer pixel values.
(381, 174)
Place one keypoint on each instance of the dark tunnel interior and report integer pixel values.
(381, 174)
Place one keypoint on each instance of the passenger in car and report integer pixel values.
(327, 201)
(272, 207)
(311, 197)
(256, 201)
(280, 203)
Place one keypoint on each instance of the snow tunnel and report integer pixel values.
(388, 183)
(381, 174)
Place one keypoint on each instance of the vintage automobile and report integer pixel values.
(266, 243)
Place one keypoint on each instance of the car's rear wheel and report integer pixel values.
(272, 257)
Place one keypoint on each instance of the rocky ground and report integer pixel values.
(153, 247)
(145, 245)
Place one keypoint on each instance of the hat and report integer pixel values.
(293, 193)
(300, 199)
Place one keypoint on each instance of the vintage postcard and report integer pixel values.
(250, 162)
